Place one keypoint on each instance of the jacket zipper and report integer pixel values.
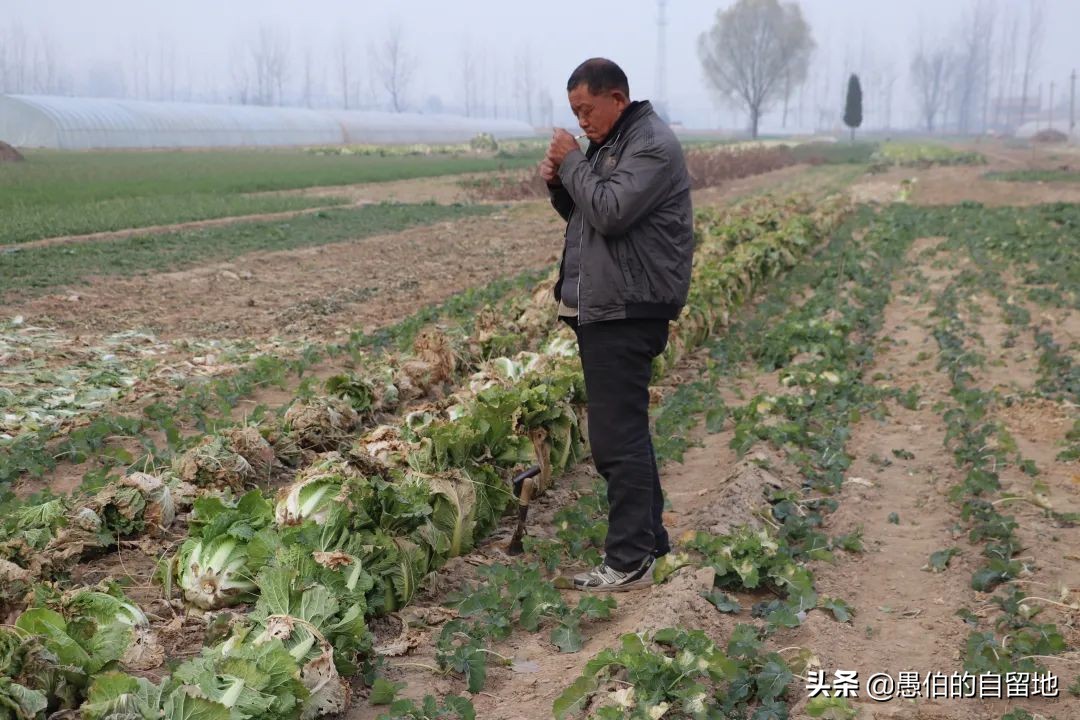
(581, 233)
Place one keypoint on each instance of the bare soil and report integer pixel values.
(905, 616)
(9, 154)
(444, 190)
(961, 183)
(318, 292)
(312, 292)
(951, 185)
(787, 179)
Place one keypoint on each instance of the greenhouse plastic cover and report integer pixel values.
(79, 123)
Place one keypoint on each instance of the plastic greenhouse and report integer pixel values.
(73, 123)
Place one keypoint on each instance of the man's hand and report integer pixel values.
(549, 172)
(562, 144)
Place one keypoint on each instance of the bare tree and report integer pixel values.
(525, 82)
(240, 74)
(802, 103)
(468, 76)
(1006, 73)
(822, 105)
(4, 61)
(306, 91)
(270, 57)
(547, 109)
(787, 98)
(48, 72)
(887, 78)
(140, 70)
(971, 64)
(481, 99)
(394, 67)
(930, 71)
(750, 50)
(31, 63)
(343, 69)
(136, 68)
(494, 84)
(987, 52)
(166, 68)
(794, 77)
(17, 63)
(184, 86)
(1031, 52)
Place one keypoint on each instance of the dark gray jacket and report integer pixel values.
(629, 222)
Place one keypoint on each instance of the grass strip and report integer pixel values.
(1034, 176)
(34, 270)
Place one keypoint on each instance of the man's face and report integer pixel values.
(597, 114)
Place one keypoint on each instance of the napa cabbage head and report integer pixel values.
(308, 498)
(214, 573)
(118, 696)
(112, 627)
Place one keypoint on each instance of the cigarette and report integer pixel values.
(578, 137)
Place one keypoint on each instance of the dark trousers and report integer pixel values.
(616, 357)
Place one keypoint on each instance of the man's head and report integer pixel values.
(598, 92)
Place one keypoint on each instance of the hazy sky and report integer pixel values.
(99, 37)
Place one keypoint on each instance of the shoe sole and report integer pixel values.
(644, 581)
(636, 585)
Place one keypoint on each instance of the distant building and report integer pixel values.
(1009, 113)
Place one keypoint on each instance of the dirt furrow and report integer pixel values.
(900, 506)
(897, 494)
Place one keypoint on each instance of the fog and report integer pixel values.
(521, 53)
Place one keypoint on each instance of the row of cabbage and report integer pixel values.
(368, 516)
(909, 154)
(42, 540)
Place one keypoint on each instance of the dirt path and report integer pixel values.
(444, 190)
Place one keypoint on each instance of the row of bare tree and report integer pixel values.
(976, 77)
(759, 56)
(980, 76)
(265, 69)
(30, 63)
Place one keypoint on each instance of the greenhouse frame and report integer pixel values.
(73, 123)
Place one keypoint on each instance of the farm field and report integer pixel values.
(60, 194)
(287, 441)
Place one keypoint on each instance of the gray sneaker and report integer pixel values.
(607, 579)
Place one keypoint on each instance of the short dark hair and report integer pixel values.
(599, 75)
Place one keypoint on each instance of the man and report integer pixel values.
(624, 276)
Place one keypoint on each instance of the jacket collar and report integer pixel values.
(633, 111)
